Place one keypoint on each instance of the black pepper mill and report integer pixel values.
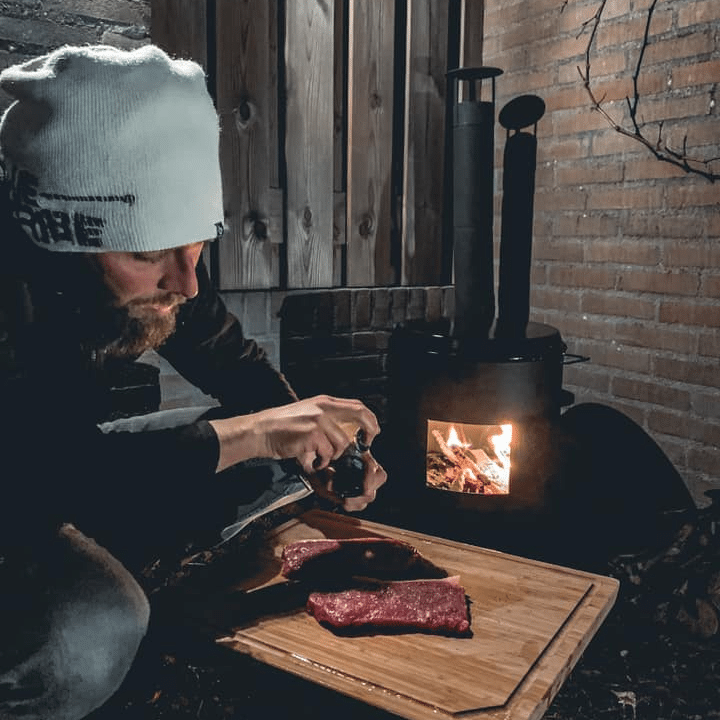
(349, 477)
(473, 161)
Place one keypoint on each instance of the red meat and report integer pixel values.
(433, 606)
(328, 560)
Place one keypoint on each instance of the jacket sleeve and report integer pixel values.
(210, 350)
(59, 467)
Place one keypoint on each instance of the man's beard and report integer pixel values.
(125, 330)
(139, 328)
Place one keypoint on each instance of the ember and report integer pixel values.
(480, 466)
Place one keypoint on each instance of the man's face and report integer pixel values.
(147, 288)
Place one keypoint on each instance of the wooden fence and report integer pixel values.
(333, 137)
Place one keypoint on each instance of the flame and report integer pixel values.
(501, 445)
(482, 466)
(453, 440)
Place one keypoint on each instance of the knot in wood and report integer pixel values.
(307, 218)
(244, 114)
(375, 101)
(366, 226)
(255, 226)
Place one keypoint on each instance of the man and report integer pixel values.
(111, 190)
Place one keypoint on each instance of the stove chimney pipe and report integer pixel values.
(473, 161)
(517, 214)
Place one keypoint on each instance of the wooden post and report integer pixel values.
(370, 114)
(309, 50)
(424, 146)
(249, 251)
(180, 28)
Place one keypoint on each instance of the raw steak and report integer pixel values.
(433, 606)
(329, 560)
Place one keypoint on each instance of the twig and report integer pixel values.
(660, 149)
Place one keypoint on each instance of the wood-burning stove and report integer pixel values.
(473, 437)
(473, 426)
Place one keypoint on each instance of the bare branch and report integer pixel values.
(661, 150)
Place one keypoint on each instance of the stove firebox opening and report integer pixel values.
(469, 458)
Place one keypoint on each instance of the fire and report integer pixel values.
(479, 466)
(453, 440)
(501, 443)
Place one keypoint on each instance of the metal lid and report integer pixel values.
(540, 342)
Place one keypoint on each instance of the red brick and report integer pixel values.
(626, 198)
(589, 172)
(598, 303)
(612, 355)
(550, 297)
(652, 83)
(709, 343)
(582, 378)
(651, 393)
(573, 121)
(650, 168)
(579, 326)
(660, 226)
(694, 194)
(673, 49)
(565, 199)
(705, 73)
(360, 309)
(611, 142)
(683, 425)
(663, 108)
(556, 249)
(581, 276)
(628, 251)
(692, 370)
(711, 287)
(585, 225)
(700, 11)
(705, 459)
(381, 308)
(696, 313)
(627, 29)
(655, 337)
(563, 150)
(568, 98)
(707, 405)
(662, 282)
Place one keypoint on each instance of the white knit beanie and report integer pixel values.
(111, 150)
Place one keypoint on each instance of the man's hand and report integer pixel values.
(375, 477)
(314, 431)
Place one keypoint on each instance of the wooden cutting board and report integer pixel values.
(531, 622)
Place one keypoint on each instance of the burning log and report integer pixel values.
(463, 469)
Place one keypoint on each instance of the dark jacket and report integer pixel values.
(57, 465)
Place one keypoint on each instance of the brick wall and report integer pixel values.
(626, 248)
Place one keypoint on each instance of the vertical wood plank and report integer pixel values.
(340, 145)
(370, 112)
(424, 145)
(309, 142)
(180, 28)
(248, 255)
